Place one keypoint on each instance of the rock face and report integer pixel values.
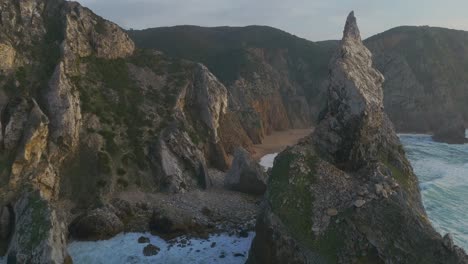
(265, 71)
(347, 194)
(245, 174)
(85, 116)
(6, 228)
(425, 76)
(451, 130)
(425, 70)
(39, 235)
(355, 113)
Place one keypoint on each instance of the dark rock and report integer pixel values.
(351, 29)
(213, 244)
(6, 228)
(98, 224)
(170, 225)
(151, 250)
(244, 233)
(206, 211)
(236, 255)
(161, 224)
(448, 241)
(245, 175)
(451, 130)
(143, 240)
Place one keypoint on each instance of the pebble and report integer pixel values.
(332, 212)
(359, 203)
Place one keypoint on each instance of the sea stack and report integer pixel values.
(347, 193)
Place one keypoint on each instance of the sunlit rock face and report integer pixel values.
(347, 193)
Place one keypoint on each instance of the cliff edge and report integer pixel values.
(347, 193)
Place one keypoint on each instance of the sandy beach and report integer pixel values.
(278, 141)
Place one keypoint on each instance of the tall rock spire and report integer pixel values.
(355, 102)
(348, 194)
(351, 30)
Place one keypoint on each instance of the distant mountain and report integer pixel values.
(426, 71)
(426, 68)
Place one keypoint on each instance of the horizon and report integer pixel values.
(299, 18)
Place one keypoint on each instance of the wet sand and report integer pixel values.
(278, 141)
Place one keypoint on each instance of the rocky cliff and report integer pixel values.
(84, 115)
(425, 71)
(424, 67)
(347, 194)
(266, 71)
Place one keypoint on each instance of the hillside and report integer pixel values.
(426, 71)
(257, 64)
(425, 68)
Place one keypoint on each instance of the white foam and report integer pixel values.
(124, 248)
(268, 160)
(442, 170)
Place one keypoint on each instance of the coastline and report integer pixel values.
(279, 140)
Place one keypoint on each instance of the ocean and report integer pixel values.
(442, 170)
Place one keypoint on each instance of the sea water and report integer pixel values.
(124, 248)
(442, 170)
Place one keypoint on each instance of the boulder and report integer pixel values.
(97, 224)
(151, 250)
(143, 240)
(245, 175)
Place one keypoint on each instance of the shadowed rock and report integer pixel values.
(245, 175)
(97, 224)
(451, 130)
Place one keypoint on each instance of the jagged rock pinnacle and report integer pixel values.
(355, 102)
(351, 30)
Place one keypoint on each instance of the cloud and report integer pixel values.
(312, 19)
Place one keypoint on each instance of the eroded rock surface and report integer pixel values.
(245, 174)
(85, 116)
(98, 224)
(347, 194)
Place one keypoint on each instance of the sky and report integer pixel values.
(310, 19)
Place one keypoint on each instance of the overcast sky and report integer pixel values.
(311, 19)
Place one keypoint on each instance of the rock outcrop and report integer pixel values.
(425, 74)
(425, 70)
(245, 174)
(347, 194)
(451, 130)
(265, 71)
(85, 116)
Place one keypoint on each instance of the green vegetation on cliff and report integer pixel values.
(225, 50)
(289, 194)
